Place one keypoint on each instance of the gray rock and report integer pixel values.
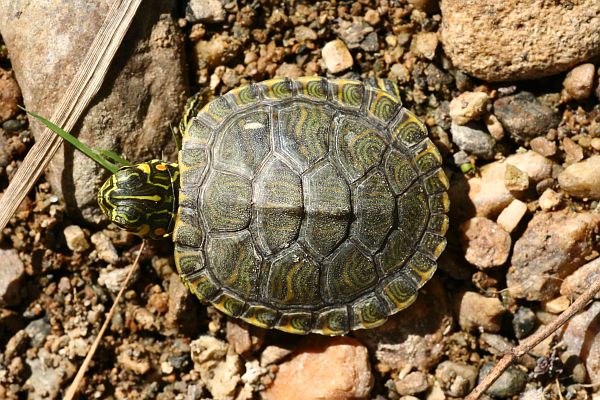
(524, 322)
(48, 374)
(143, 92)
(515, 39)
(456, 379)
(473, 139)
(370, 42)
(37, 331)
(582, 179)
(524, 117)
(209, 11)
(552, 247)
(510, 383)
(11, 275)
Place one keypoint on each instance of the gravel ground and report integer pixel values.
(522, 158)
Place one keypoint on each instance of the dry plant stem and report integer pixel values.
(75, 100)
(72, 391)
(533, 340)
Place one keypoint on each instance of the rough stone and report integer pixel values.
(479, 312)
(510, 217)
(336, 56)
(579, 82)
(514, 39)
(137, 76)
(485, 243)
(549, 200)
(573, 151)
(582, 337)
(415, 337)
(524, 117)
(48, 374)
(494, 126)
(218, 365)
(552, 247)
(113, 278)
(10, 96)
(105, 248)
(218, 50)
(456, 379)
(413, 383)
(12, 271)
(582, 179)
(287, 70)
(372, 17)
(273, 354)
(424, 44)
(75, 238)
(510, 383)
(324, 368)
(209, 11)
(243, 337)
(132, 357)
(468, 106)
(557, 305)
(543, 146)
(473, 139)
(515, 179)
(524, 322)
(580, 280)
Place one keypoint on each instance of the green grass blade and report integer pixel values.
(111, 155)
(75, 142)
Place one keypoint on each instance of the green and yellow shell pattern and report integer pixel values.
(306, 205)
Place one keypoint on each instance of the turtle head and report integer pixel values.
(142, 198)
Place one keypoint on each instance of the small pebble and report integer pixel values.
(595, 143)
(573, 151)
(209, 11)
(479, 312)
(582, 338)
(510, 383)
(557, 305)
(473, 139)
(579, 82)
(524, 117)
(75, 238)
(582, 178)
(543, 146)
(468, 106)
(336, 56)
(574, 366)
(424, 44)
(524, 322)
(413, 383)
(515, 179)
(494, 126)
(456, 379)
(549, 200)
(10, 96)
(510, 217)
(104, 247)
(372, 17)
(485, 243)
(304, 33)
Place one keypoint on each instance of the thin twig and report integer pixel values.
(529, 343)
(86, 83)
(72, 391)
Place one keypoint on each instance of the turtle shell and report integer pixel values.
(308, 205)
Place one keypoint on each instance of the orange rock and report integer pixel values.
(324, 368)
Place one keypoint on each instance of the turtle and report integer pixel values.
(306, 205)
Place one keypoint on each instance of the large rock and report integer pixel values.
(552, 247)
(324, 368)
(524, 117)
(582, 179)
(519, 39)
(143, 92)
(12, 271)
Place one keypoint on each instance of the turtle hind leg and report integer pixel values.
(386, 85)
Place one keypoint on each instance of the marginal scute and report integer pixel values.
(244, 96)
(333, 321)
(348, 273)
(436, 182)
(432, 245)
(188, 235)
(382, 105)
(438, 224)
(197, 133)
(226, 202)
(299, 323)
(368, 312)
(277, 89)
(202, 285)
(313, 87)
(232, 260)
(188, 260)
(439, 203)
(218, 110)
(278, 206)
(347, 93)
(399, 171)
(229, 304)
(294, 279)
(408, 130)
(374, 211)
(428, 157)
(261, 316)
(302, 132)
(421, 268)
(358, 146)
(244, 144)
(400, 292)
(327, 209)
